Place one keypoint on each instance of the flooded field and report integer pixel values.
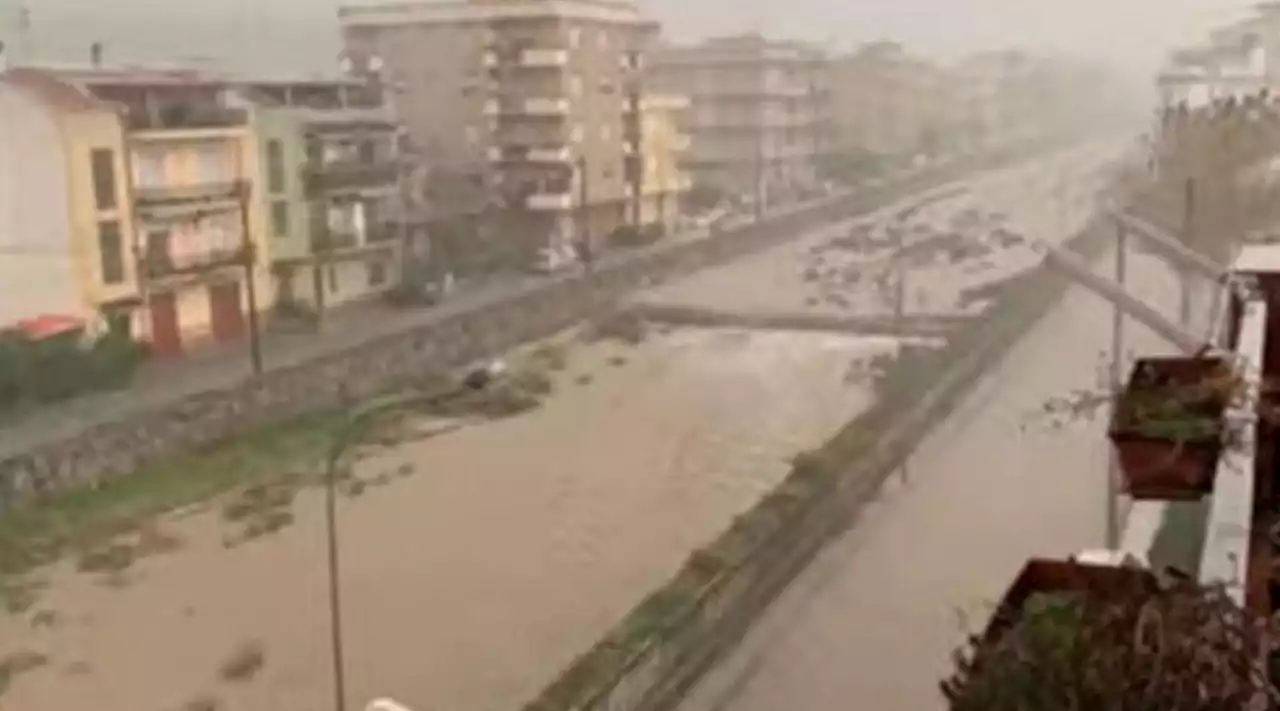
(476, 563)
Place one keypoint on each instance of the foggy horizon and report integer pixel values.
(301, 35)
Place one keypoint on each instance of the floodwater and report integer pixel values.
(470, 584)
(515, 545)
(878, 613)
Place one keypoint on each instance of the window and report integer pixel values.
(602, 40)
(366, 151)
(575, 85)
(104, 178)
(151, 168)
(280, 218)
(377, 273)
(275, 166)
(333, 279)
(575, 37)
(110, 252)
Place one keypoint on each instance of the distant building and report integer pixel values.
(885, 101)
(759, 114)
(665, 146)
(534, 103)
(165, 170)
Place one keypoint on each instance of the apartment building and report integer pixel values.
(186, 203)
(665, 145)
(338, 162)
(759, 111)
(885, 101)
(533, 102)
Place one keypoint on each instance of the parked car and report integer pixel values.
(554, 259)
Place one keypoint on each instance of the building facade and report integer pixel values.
(338, 159)
(39, 271)
(759, 111)
(887, 102)
(192, 200)
(665, 145)
(532, 102)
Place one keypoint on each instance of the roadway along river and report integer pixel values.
(872, 622)
(469, 585)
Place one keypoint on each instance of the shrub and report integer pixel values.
(1183, 647)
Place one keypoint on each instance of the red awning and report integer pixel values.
(48, 326)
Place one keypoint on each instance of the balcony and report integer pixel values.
(542, 106)
(195, 196)
(349, 175)
(549, 201)
(558, 153)
(681, 142)
(350, 242)
(160, 265)
(544, 58)
(534, 106)
(185, 117)
(322, 119)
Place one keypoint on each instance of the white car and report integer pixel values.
(552, 259)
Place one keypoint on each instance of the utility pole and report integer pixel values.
(1117, 376)
(584, 218)
(1188, 230)
(759, 170)
(248, 255)
(900, 304)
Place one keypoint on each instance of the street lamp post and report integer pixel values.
(355, 421)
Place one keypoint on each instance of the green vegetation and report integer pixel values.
(35, 372)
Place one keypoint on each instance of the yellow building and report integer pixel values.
(161, 180)
(664, 145)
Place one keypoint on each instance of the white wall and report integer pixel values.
(36, 261)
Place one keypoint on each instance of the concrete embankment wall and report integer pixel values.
(124, 446)
(659, 651)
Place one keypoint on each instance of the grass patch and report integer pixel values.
(18, 663)
(244, 663)
(111, 525)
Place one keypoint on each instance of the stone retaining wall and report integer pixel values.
(122, 447)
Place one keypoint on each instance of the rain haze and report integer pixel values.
(1131, 35)
(632, 355)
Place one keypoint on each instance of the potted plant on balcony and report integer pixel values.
(1071, 636)
(1167, 425)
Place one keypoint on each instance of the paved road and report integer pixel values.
(872, 622)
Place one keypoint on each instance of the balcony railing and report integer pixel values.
(559, 153)
(532, 106)
(549, 201)
(544, 58)
(194, 194)
(164, 265)
(329, 241)
(184, 117)
(350, 175)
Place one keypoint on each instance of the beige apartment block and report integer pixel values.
(885, 101)
(759, 113)
(533, 102)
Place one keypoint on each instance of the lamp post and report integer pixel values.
(248, 256)
(355, 421)
(1116, 375)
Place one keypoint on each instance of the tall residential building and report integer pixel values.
(183, 195)
(759, 114)
(534, 103)
(885, 101)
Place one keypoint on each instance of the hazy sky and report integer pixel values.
(300, 34)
